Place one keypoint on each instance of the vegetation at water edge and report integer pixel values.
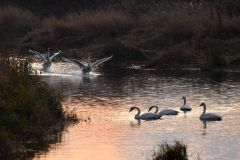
(31, 114)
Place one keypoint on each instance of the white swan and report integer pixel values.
(185, 107)
(209, 116)
(87, 66)
(47, 60)
(163, 112)
(145, 116)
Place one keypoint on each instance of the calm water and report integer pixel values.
(109, 132)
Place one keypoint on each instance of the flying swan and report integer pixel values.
(47, 60)
(209, 116)
(87, 66)
(163, 112)
(145, 116)
(185, 107)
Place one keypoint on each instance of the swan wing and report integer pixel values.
(168, 112)
(39, 54)
(75, 61)
(185, 108)
(150, 116)
(211, 117)
(100, 61)
(55, 54)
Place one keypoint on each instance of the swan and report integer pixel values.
(209, 116)
(47, 60)
(87, 66)
(163, 112)
(145, 116)
(185, 107)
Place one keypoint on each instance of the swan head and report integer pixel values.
(183, 97)
(150, 108)
(203, 104)
(131, 109)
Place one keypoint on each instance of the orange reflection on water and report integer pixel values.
(113, 134)
(88, 140)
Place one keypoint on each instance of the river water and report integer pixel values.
(107, 131)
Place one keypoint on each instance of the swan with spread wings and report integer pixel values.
(87, 66)
(47, 59)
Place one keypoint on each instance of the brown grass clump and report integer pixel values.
(177, 151)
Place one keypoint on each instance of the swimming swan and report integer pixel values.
(86, 66)
(185, 107)
(47, 60)
(163, 112)
(145, 116)
(209, 116)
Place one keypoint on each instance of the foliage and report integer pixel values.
(160, 33)
(30, 112)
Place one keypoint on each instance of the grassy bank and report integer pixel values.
(171, 34)
(31, 114)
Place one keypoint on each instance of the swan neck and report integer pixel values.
(156, 109)
(184, 101)
(48, 57)
(138, 113)
(204, 109)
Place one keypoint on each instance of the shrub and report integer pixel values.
(25, 104)
(177, 151)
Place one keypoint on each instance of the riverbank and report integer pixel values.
(159, 35)
(31, 115)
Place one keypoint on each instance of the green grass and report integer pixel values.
(31, 113)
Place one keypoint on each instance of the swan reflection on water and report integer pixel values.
(73, 81)
(135, 123)
(205, 123)
(204, 132)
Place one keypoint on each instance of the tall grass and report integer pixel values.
(79, 29)
(14, 23)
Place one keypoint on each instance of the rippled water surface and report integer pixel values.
(108, 131)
